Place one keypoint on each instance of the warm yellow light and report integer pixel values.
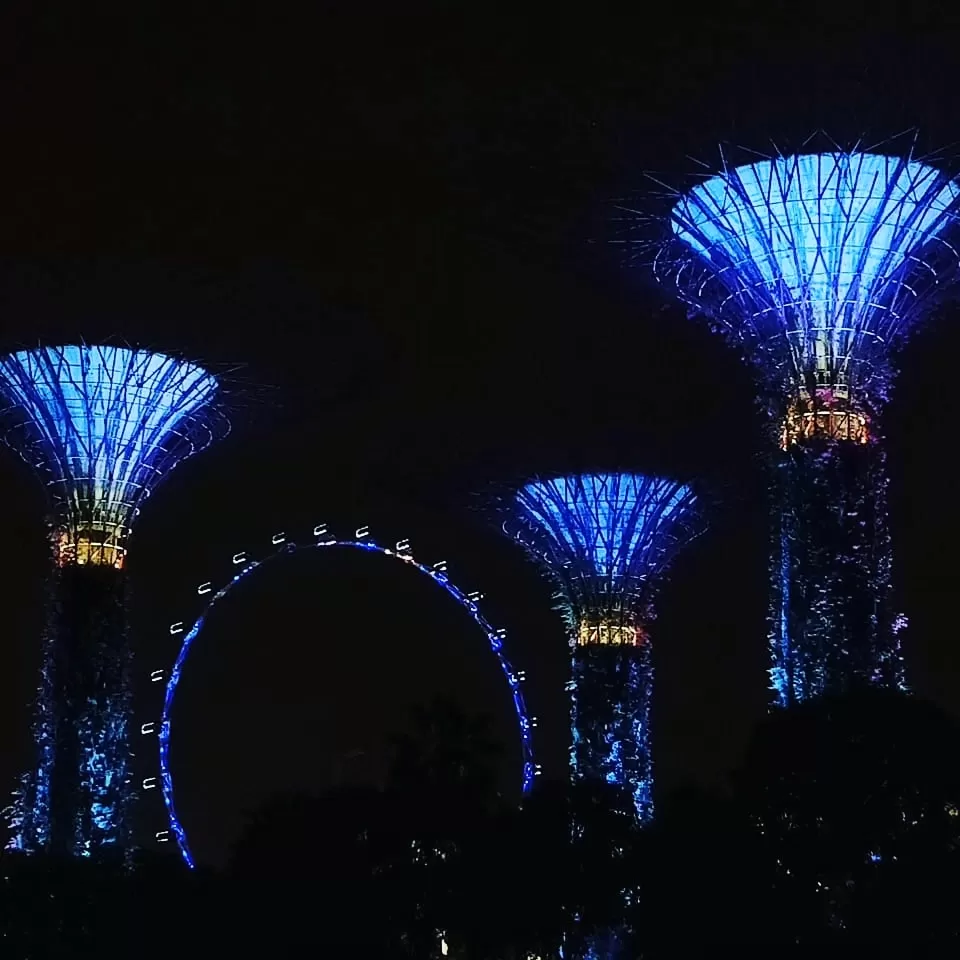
(830, 413)
(93, 547)
(610, 634)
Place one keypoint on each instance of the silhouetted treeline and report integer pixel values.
(840, 829)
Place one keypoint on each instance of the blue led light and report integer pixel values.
(604, 539)
(101, 425)
(814, 266)
(610, 526)
(468, 602)
(821, 260)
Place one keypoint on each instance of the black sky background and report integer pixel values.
(387, 216)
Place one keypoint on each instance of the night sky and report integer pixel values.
(387, 220)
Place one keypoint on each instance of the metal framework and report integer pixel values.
(320, 539)
(605, 540)
(101, 425)
(815, 266)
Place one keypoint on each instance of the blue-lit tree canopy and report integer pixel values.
(815, 266)
(604, 539)
(101, 425)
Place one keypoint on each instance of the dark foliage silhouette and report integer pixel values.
(857, 801)
(842, 827)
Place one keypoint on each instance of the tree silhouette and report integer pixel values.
(701, 878)
(549, 874)
(319, 872)
(843, 828)
(445, 751)
(374, 872)
(145, 906)
(857, 800)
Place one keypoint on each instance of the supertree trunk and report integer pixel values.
(832, 625)
(610, 696)
(83, 718)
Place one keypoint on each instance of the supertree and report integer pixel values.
(101, 425)
(604, 540)
(815, 266)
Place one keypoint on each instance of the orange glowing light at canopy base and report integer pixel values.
(94, 547)
(829, 413)
(611, 634)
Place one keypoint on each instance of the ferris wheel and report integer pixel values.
(245, 565)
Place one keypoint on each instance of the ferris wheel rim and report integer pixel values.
(284, 547)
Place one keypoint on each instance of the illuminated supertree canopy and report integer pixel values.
(605, 539)
(101, 425)
(815, 266)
